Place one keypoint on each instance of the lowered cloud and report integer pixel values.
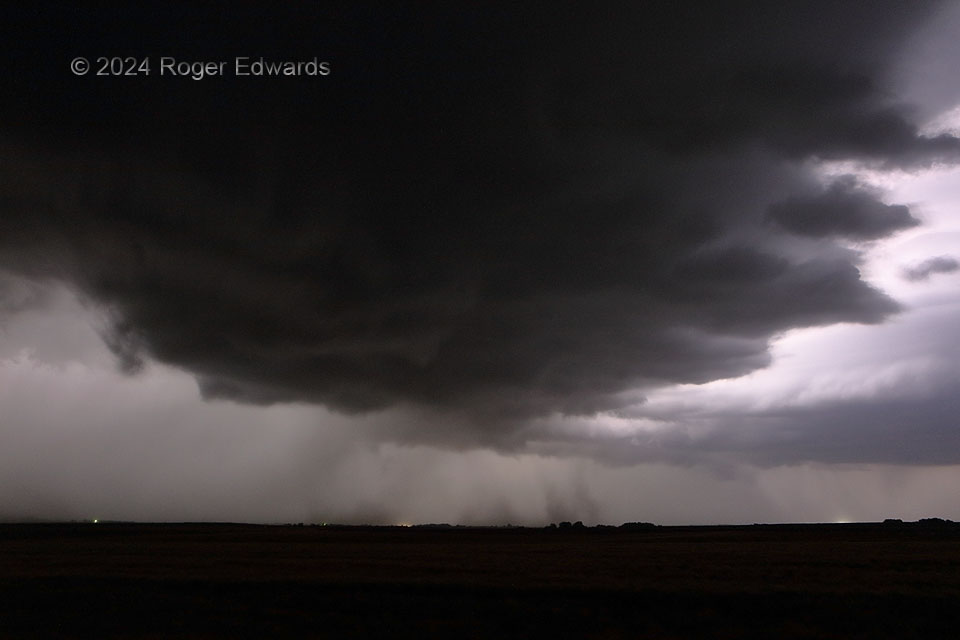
(492, 221)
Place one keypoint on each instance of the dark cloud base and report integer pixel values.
(490, 211)
(844, 209)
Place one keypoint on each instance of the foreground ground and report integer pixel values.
(228, 581)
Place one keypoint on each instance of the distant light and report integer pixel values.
(95, 521)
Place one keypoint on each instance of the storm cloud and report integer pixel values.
(844, 209)
(492, 212)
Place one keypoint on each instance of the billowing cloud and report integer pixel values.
(844, 209)
(496, 212)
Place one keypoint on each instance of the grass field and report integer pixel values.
(228, 581)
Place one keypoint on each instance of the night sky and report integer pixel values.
(661, 261)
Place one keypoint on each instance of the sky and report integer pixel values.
(679, 263)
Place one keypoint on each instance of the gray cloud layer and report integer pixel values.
(489, 211)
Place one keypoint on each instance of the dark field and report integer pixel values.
(227, 581)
